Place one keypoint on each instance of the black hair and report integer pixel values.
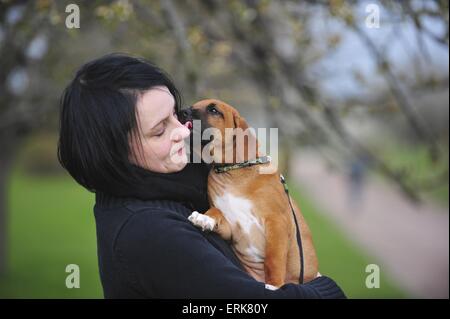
(98, 117)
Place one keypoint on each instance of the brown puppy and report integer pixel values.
(250, 208)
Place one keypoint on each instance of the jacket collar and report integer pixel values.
(188, 186)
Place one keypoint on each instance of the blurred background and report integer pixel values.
(358, 90)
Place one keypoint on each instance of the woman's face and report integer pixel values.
(160, 133)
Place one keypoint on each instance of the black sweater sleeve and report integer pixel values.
(170, 258)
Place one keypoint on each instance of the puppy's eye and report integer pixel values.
(212, 109)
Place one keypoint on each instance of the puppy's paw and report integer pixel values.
(202, 221)
(270, 287)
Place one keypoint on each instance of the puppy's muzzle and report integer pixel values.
(185, 117)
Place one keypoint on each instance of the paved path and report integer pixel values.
(410, 243)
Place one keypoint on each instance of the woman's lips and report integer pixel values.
(188, 124)
(179, 151)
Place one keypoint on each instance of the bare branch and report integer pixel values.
(413, 118)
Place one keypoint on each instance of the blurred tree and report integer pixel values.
(23, 43)
(266, 45)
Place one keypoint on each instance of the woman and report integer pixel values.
(119, 137)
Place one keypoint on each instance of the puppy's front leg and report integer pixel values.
(276, 252)
(212, 220)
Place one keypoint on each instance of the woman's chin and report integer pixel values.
(182, 165)
(178, 162)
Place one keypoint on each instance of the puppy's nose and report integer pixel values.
(185, 115)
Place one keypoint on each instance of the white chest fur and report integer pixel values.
(238, 212)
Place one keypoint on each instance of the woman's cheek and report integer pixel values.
(166, 148)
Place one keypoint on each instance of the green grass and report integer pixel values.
(339, 258)
(51, 225)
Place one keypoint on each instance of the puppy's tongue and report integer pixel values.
(188, 124)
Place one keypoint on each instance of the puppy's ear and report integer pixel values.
(239, 122)
(249, 148)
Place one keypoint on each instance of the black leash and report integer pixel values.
(222, 168)
(299, 238)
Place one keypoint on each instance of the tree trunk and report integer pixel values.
(6, 162)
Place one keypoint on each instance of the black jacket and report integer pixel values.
(147, 248)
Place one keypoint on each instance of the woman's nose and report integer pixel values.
(180, 132)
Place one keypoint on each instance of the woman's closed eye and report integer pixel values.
(161, 130)
(161, 133)
(164, 123)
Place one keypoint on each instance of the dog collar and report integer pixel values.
(222, 168)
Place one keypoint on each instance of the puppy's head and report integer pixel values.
(217, 114)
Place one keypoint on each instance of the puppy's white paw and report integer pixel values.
(270, 287)
(202, 221)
